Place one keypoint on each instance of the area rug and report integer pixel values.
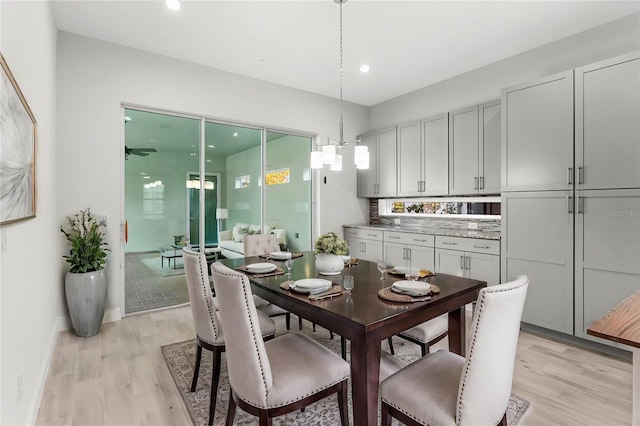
(180, 358)
(154, 264)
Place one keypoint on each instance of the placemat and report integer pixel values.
(390, 295)
(293, 256)
(285, 286)
(423, 273)
(277, 271)
(352, 262)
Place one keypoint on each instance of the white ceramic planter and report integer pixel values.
(86, 298)
(329, 264)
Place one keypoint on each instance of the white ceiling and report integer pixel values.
(408, 44)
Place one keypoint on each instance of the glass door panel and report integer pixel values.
(211, 201)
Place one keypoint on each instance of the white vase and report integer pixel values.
(86, 298)
(329, 264)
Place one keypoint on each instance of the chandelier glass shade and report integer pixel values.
(329, 152)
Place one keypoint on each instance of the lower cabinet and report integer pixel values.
(468, 257)
(364, 243)
(409, 250)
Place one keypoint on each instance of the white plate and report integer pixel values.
(402, 270)
(413, 288)
(311, 290)
(312, 283)
(261, 267)
(280, 255)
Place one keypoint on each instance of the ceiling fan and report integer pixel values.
(137, 151)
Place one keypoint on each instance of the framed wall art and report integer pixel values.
(17, 152)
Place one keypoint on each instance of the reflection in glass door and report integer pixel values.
(211, 203)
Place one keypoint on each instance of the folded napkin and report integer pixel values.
(293, 256)
(277, 271)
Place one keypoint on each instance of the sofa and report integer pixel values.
(231, 241)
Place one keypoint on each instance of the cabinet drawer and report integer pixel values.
(477, 245)
(365, 234)
(409, 238)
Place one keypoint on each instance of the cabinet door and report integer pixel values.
(489, 148)
(409, 165)
(537, 135)
(607, 253)
(435, 155)
(386, 162)
(394, 254)
(450, 262)
(607, 124)
(484, 267)
(367, 178)
(463, 151)
(537, 241)
(422, 257)
(372, 250)
(355, 247)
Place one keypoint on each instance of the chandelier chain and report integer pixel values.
(341, 112)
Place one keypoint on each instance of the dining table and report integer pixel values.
(363, 317)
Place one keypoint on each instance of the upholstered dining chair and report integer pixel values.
(269, 379)
(255, 245)
(425, 334)
(443, 388)
(209, 334)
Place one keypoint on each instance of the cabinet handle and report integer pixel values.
(468, 263)
(364, 247)
(570, 175)
(580, 207)
(475, 182)
(462, 262)
(424, 185)
(449, 243)
(569, 204)
(419, 185)
(372, 235)
(580, 177)
(482, 247)
(393, 238)
(481, 182)
(408, 253)
(419, 241)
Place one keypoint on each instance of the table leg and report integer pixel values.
(365, 371)
(635, 420)
(457, 331)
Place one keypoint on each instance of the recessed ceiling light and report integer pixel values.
(364, 68)
(211, 146)
(173, 4)
(235, 134)
(208, 161)
(127, 118)
(152, 140)
(193, 154)
(146, 177)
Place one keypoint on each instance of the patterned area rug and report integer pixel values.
(154, 263)
(180, 358)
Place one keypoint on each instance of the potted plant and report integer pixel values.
(86, 282)
(329, 249)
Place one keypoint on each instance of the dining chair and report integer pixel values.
(443, 388)
(209, 334)
(425, 334)
(255, 245)
(272, 378)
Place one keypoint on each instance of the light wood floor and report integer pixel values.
(119, 378)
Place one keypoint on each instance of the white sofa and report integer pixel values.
(231, 241)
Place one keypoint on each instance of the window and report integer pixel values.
(153, 200)
(277, 177)
(243, 182)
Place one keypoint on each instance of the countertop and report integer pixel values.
(465, 233)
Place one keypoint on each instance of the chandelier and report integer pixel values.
(329, 152)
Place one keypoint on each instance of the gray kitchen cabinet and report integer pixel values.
(537, 135)
(537, 241)
(423, 157)
(364, 243)
(408, 249)
(607, 256)
(468, 257)
(474, 150)
(607, 133)
(379, 180)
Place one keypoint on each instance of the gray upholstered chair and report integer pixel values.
(443, 388)
(425, 334)
(269, 379)
(255, 245)
(209, 333)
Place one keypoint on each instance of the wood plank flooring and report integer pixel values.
(119, 378)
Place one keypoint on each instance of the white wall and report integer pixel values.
(32, 268)
(484, 84)
(95, 77)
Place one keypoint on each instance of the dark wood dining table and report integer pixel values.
(366, 319)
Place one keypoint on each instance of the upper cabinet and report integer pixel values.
(423, 157)
(537, 135)
(379, 180)
(607, 124)
(474, 150)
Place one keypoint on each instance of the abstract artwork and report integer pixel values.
(17, 152)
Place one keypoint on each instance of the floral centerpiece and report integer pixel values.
(86, 282)
(329, 250)
(88, 246)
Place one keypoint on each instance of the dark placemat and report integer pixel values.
(390, 295)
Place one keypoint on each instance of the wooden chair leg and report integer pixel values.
(424, 348)
(287, 320)
(331, 334)
(217, 356)
(386, 418)
(264, 419)
(343, 405)
(196, 369)
(503, 422)
(299, 323)
(343, 347)
(391, 346)
(231, 410)
(314, 327)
